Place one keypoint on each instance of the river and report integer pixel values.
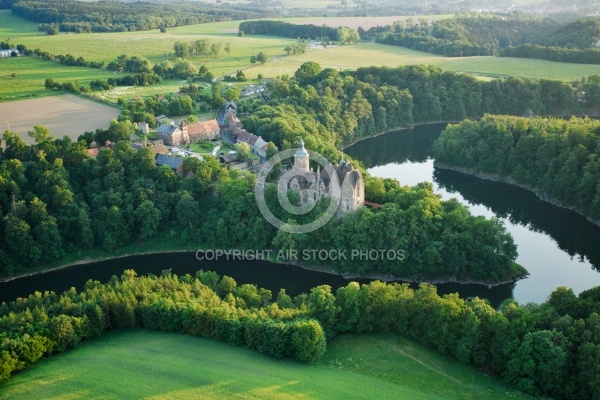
(557, 246)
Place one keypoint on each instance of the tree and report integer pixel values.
(321, 305)
(163, 29)
(232, 93)
(262, 57)
(191, 119)
(240, 33)
(41, 134)
(271, 150)
(227, 48)
(307, 72)
(147, 217)
(243, 150)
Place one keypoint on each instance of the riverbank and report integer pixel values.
(510, 181)
(139, 249)
(373, 135)
(392, 278)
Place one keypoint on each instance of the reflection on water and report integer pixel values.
(264, 274)
(557, 246)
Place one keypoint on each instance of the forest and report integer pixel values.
(555, 158)
(109, 16)
(498, 35)
(465, 36)
(550, 349)
(51, 191)
(56, 200)
(286, 29)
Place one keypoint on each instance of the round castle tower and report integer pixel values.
(301, 158)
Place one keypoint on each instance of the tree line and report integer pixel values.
(554, 53)
(556, 158)
(328, 107)
(296, 31)
(108, 16)
(202, 47)
(520, 36)
(550, 349)
(465, 35)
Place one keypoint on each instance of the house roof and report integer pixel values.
(227, 158)
(200, 128)
(93, 152)
(172, 162)
(167, 129)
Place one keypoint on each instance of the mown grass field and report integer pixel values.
(143, 364)
(12, 27)
(30, 74)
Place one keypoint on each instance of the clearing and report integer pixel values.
(64, 115)
(145, 364)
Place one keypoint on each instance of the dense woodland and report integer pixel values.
(323, 33)
(58, 189)
(109, 16)
(556, 158)
(503, 35)
(465, 36)
(52, 191)
(550, 349)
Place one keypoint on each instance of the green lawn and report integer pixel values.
(143, 364)
(30, 74)
(12, 27)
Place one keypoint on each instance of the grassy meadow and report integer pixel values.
(156, 46)
(144, 364)
(30, 74)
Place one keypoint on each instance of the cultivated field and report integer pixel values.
(64, 115)
(143, 364)
(30, 73)
(368, 54)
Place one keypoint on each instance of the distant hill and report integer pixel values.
(581, 34)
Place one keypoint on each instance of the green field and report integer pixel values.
(12, 27)
(30, 74)
(143, 364)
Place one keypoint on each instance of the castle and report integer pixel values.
(312, 186)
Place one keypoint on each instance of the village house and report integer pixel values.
(257, 144)
(205, 130)
(8, 53)
(172, 135)
(185, 133)
(157, 147)
(94, 151)
(176, 164)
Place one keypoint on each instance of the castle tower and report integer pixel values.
(301, 158)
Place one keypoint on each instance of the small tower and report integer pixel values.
(301, 158)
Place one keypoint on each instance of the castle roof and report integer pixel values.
(301, 152)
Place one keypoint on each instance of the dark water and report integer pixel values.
(557, 246)
(262, 273)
